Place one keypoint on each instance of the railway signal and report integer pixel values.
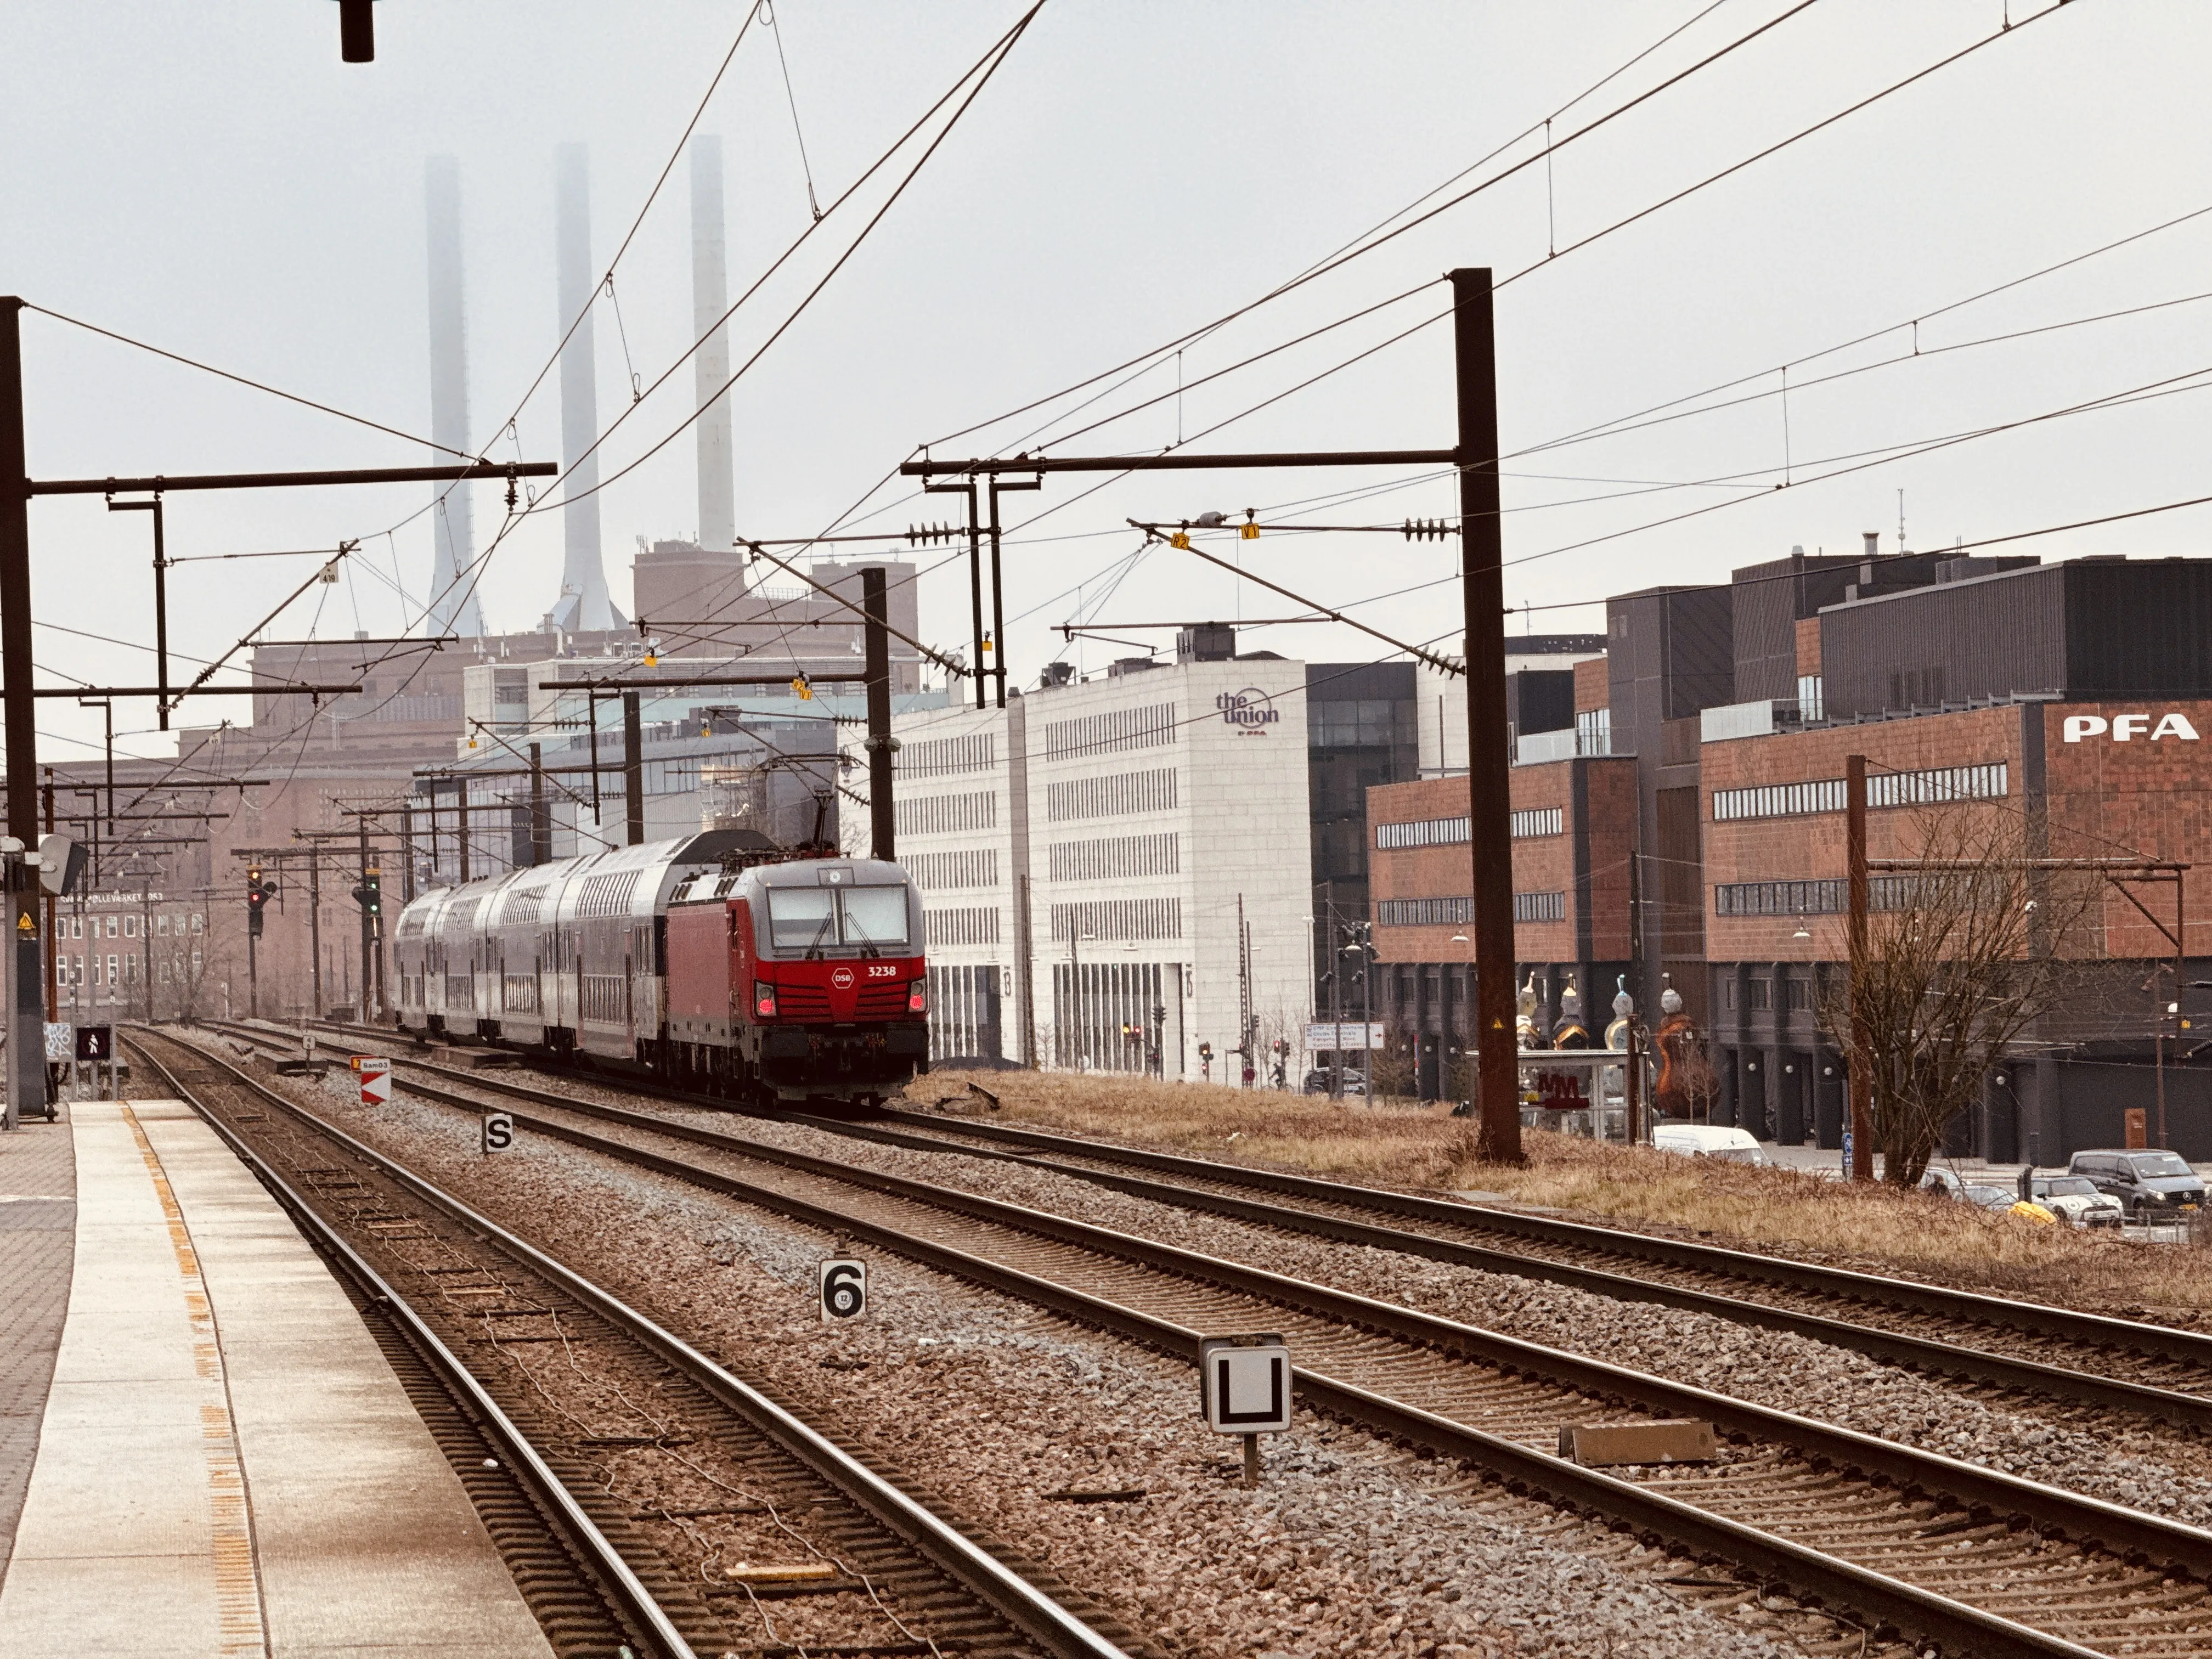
(258, 895)
(369, 893)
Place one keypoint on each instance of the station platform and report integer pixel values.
(203, 1451)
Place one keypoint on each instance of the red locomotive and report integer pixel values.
(798, 981)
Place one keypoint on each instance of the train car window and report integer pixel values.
(874, 915)
(799, 917)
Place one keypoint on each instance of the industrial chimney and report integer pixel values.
(454, 608)
(583, 604)
(718, 526)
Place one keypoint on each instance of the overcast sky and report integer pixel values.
(212, 180)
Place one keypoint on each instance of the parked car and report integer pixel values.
(2149, 1186)
(2076, 1200)
(1999, 1200)
(1708, 1140)
(1316, 1083)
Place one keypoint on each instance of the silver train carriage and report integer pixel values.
(572, 959)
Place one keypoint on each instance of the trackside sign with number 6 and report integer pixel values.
(844, 1288)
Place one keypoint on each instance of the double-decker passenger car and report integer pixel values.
(576, 960)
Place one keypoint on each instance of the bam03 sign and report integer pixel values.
(2126, 728)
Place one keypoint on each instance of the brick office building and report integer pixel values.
(1710, 744)
(2071, 697)
(1573, 824)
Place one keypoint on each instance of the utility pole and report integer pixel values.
(1860, 1075)
(1489, 781)
(461, 825)
(368, 920)
(53, 990)
(540, 827)
(27, 1052)
(315, 928)
(633, 769)
(883, 817)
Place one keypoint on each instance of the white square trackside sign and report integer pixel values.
(1245, 1383)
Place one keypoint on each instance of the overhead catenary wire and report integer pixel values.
(1550, 258)
(1338, 261)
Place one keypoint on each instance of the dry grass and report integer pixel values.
(1782, 1211)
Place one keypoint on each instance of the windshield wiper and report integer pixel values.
(814, 949)
(852, 923)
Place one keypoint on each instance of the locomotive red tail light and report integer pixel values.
(917, 997)
(763, 999)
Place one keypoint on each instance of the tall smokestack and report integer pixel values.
(583, 604)
(454, 608)
(718, 520)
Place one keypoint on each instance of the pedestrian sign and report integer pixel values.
(95, 1043)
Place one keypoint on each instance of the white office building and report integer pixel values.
(1116, 872)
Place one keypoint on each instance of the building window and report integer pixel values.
(1428, 832)
(1811, 704)
(1111, 796)
(1424, 912)
(1116, 856)
(969, 867)
(1112, 733)
(1538, 821)
(940, 815)
(130, 927)
(1809, 898)
(1594, 732)
(1539, 907)
(200, 922)
(935, 758)
(968, 924)
(1796, 995)
(1117, 919)
(161, 925)
(1762, 993)
(1789, 800)
(1731, 994)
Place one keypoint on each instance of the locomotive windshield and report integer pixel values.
(809, 918)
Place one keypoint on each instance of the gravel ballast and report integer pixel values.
(1350, 1546)
(2120, 1459)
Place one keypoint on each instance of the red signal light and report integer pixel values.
(917, 997)
(763, 999)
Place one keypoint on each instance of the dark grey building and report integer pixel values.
(1670, 654)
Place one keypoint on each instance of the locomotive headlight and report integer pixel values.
(763, 999)
(917, 997)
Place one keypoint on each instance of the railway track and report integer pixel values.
(1969, 1559)
(2003, 1344)
(622, 1472)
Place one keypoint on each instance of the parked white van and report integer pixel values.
(1708, 1140)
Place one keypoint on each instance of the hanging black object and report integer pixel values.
(357, 31)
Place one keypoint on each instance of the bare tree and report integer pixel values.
(1962, 956)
